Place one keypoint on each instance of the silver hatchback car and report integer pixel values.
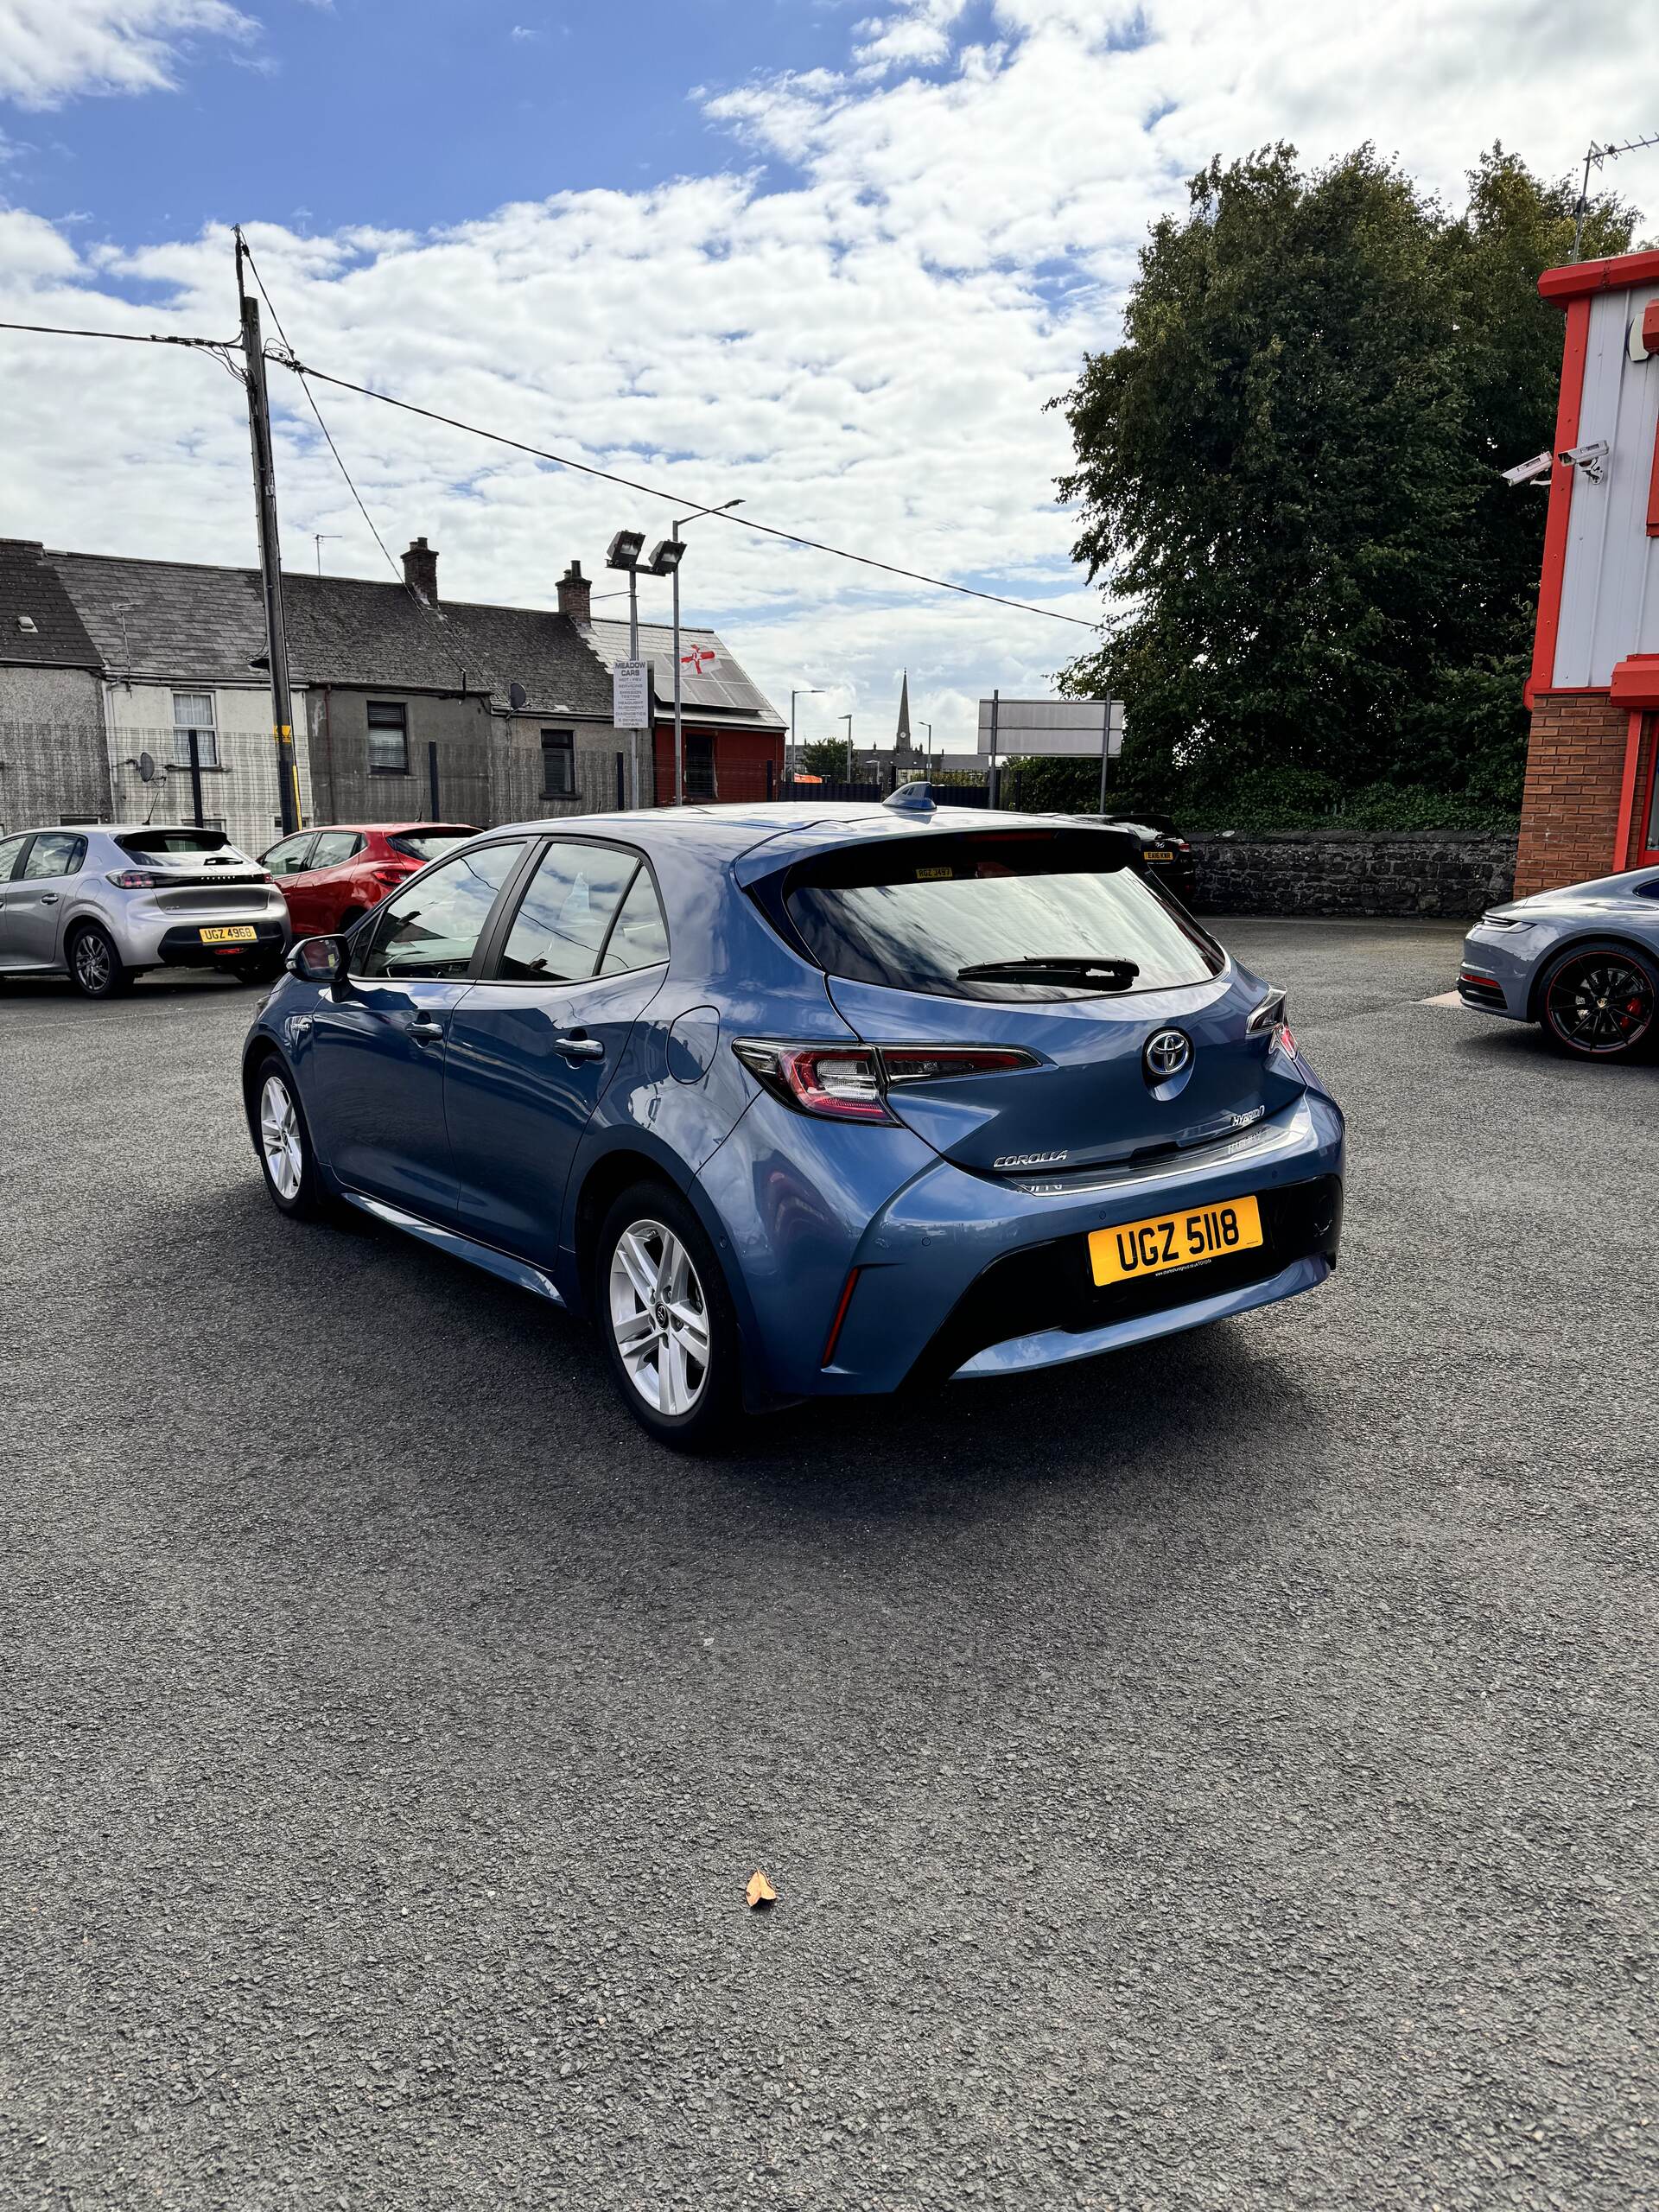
(101, 905)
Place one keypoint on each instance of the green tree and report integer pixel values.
(1288, 468)
(826, 757)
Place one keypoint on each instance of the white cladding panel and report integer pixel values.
(1609, 585)
(1060, 726)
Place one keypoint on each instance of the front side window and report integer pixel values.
(388, 738)
(334, 847)
(193, 712)
(432, 929)
(558, 763)
(558, 934)
(1010, 914)
(54, 854)
(289, 857)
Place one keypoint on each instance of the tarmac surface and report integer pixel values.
(1216, 1777)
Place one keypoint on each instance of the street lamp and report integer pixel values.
(806, 691)
(848, 720)
(623, 553)
(665, 562)
(928, 727)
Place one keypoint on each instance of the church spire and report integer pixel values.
(902, 736)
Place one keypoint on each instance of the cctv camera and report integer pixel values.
(1588, 458)
(1524, 471)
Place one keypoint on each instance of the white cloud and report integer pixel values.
(50, 49)
(862, 353)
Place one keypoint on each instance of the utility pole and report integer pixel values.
(270, 560)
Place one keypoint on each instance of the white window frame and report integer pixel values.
(207, 733)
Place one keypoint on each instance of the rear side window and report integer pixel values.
(54, 853)
(1017, 915)
(9, 848)
(559, 933)
(334, 847)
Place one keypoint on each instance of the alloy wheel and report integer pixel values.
(1602, 1003)
(92, 961)
(659, 1317)
(279, 1138)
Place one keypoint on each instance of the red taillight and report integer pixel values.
(391, 875)
(849, 1083)
(138, 878)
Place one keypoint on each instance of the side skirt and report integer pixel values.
(459, 1247)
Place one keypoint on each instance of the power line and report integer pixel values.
(288, 359)
(126, 337)
(677, 499)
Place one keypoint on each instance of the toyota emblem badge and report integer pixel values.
(1167, 1052)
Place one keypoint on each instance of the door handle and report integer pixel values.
(579, 1048)
(425, 1028)
(49, 898)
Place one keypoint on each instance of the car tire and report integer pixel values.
(283, 1140)
(1600, 1002)
(96, 969)
(666, 1315)
(265, 968)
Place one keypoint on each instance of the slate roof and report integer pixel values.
(176, 621)
(185, 622)
(188, 623)
(714, 687)
(32, 591)
(344, 630)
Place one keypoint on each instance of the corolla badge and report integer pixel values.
(1029, 1160)
(1164, 1053)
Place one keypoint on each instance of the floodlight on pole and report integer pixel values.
(623, 553)
(669, 553)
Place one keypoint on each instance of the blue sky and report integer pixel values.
(831, 256)
(420, 113)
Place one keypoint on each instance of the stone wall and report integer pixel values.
(1430, 872)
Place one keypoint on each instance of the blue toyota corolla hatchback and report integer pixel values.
(808, 1100)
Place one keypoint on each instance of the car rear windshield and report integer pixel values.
(145, 844)
(428, 844)
(924, 913)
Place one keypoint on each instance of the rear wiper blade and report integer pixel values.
(1054, 968)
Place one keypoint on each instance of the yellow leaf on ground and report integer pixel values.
(759, 1891)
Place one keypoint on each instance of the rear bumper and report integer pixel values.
(962, 1273)
(180, 946)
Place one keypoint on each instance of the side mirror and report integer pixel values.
(318, 960)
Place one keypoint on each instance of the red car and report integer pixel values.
(329, 877)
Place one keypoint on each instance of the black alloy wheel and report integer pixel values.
(95, 968)
(1598, 1002)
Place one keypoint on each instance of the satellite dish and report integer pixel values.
(518, 697)
(146, 765)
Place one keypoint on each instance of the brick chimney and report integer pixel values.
(421, 569)
(575, 593)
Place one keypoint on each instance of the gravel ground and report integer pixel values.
(1216, 1777)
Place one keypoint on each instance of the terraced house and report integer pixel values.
(132, 690)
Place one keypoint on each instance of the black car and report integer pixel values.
(1164, 857)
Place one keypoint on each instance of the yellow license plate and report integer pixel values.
(1153, 854)
(1173, 1240)
(236, 933)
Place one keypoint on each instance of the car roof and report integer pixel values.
(755, 839)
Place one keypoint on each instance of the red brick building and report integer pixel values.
(1592, 801)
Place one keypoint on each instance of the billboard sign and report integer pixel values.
(1068, 729)
(631, 695)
